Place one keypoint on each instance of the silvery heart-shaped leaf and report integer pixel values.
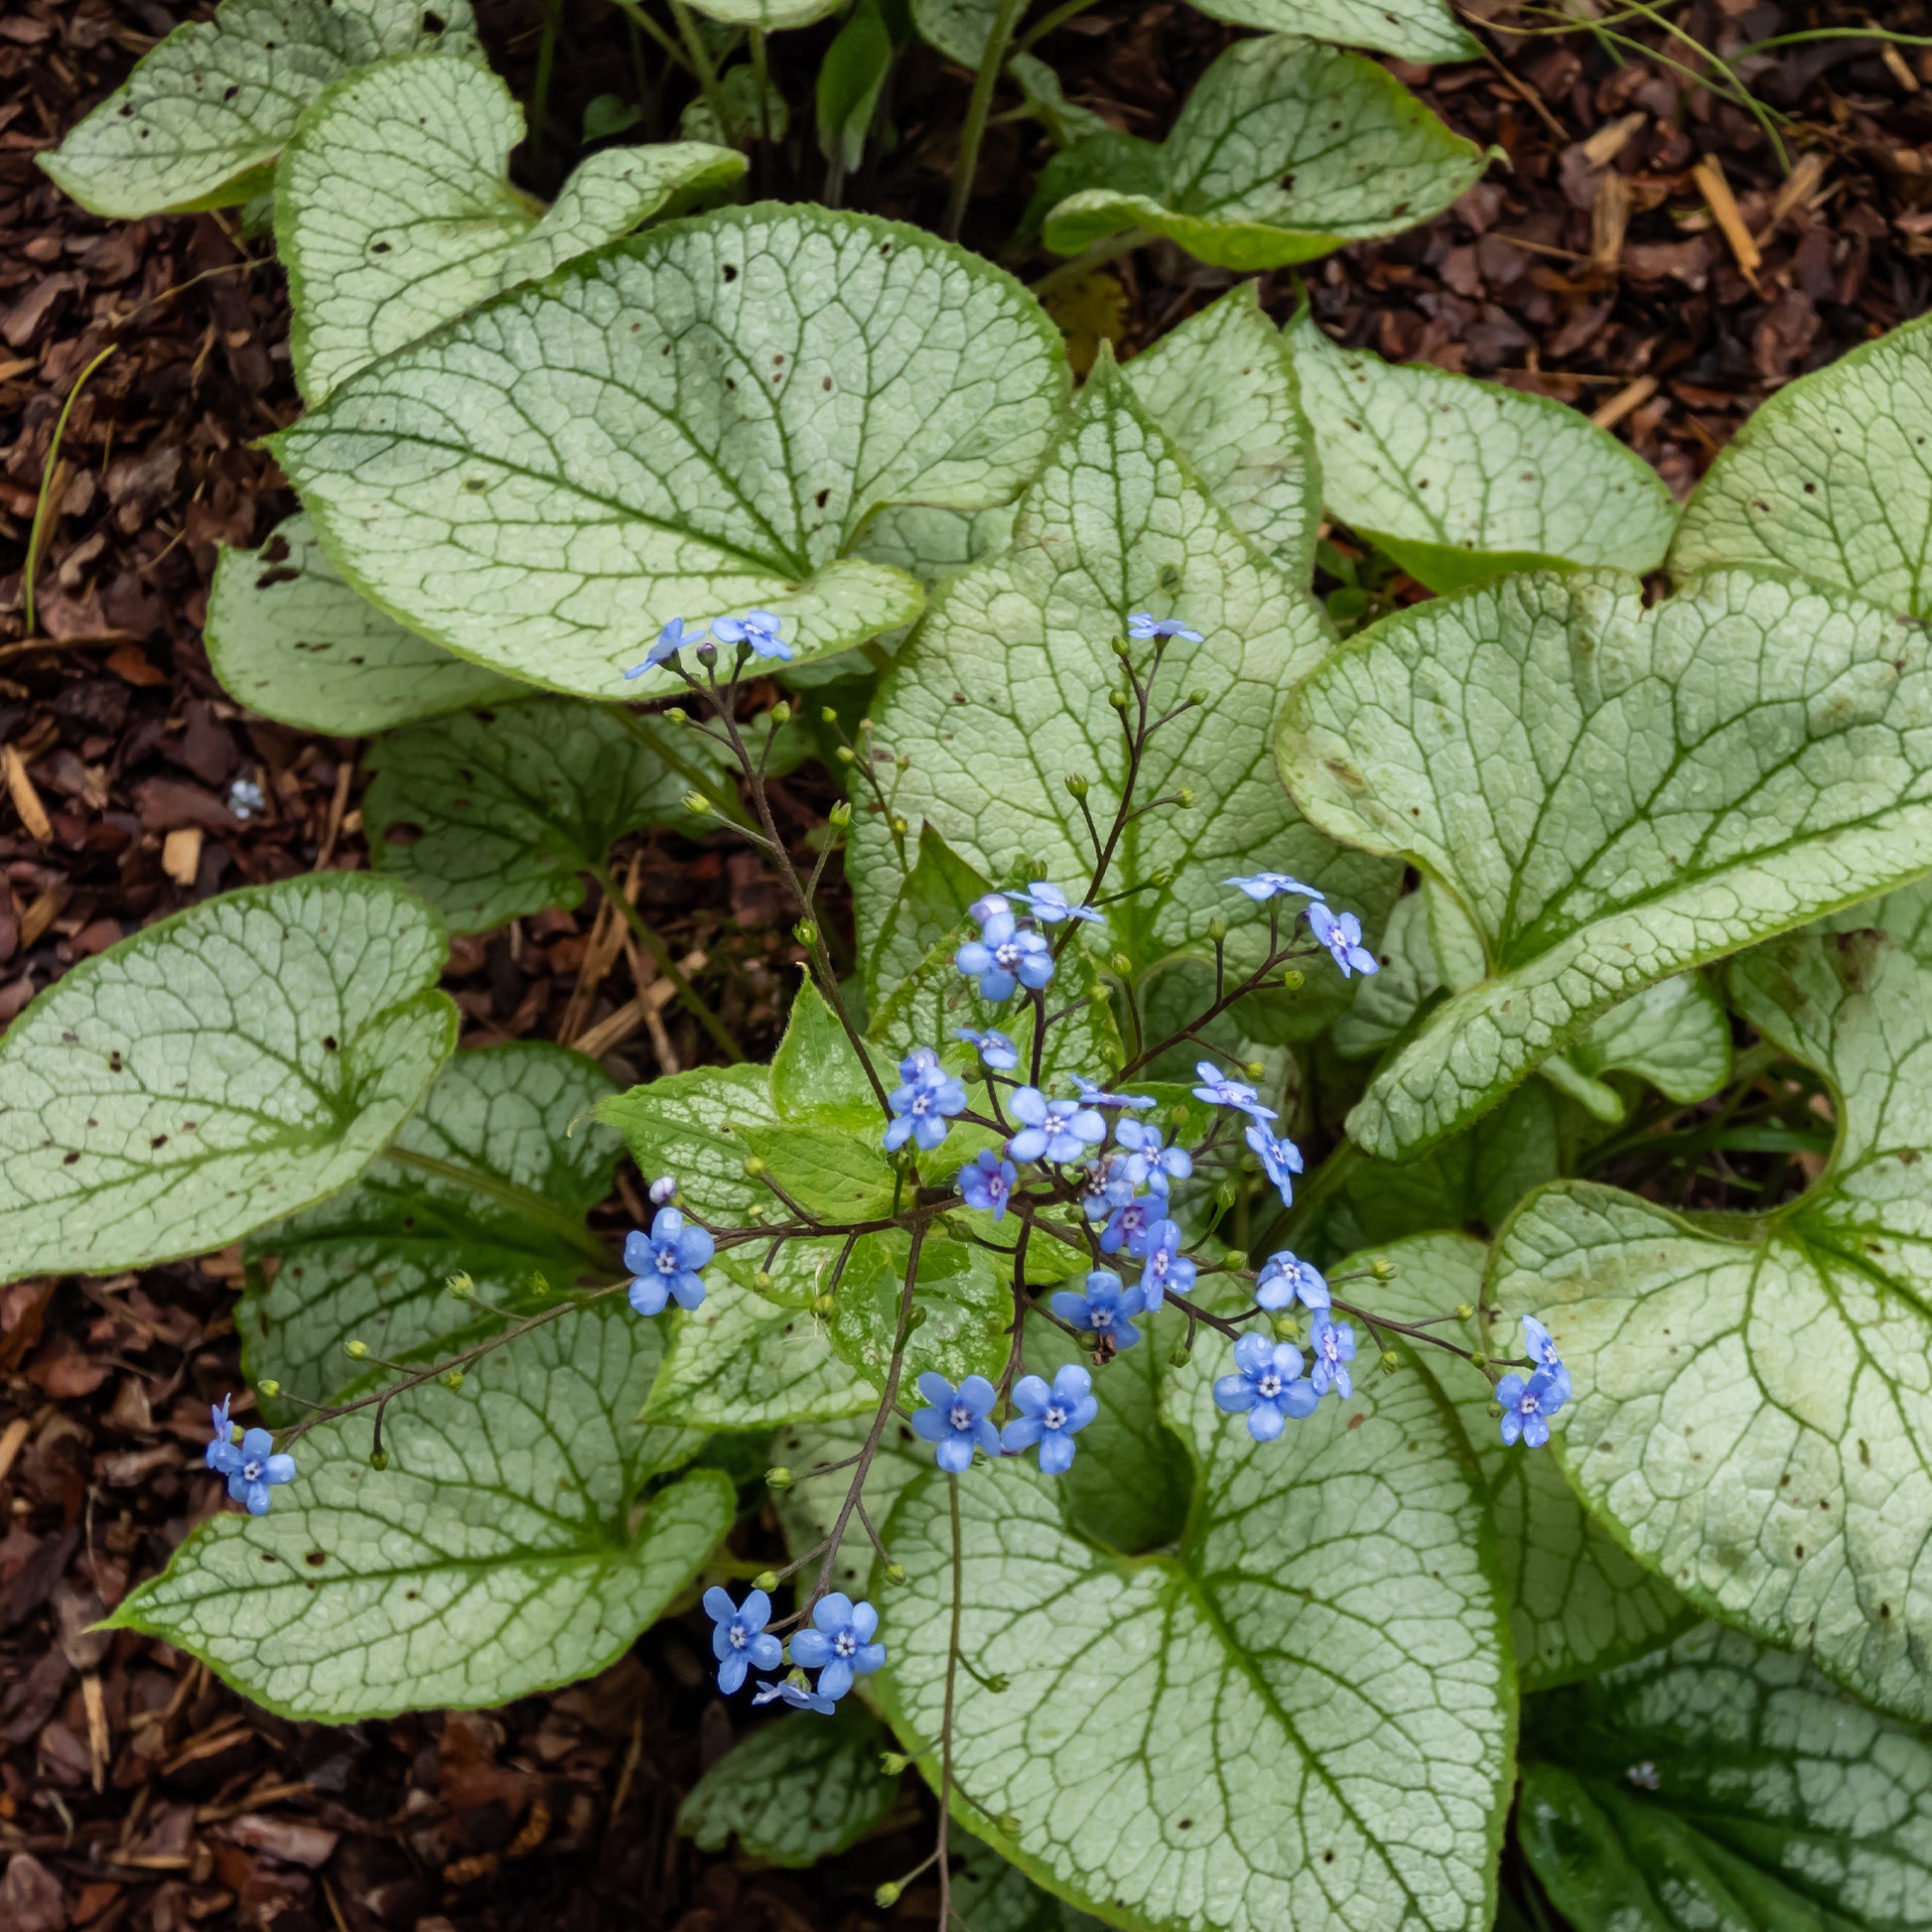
(500, 812)
(1417, 30)
(217, 1070)
(690, 422)
(1460, 481)
(501, 1552)
(492, 1178)
(1613, 793)
(1004, 691)
(1831, 477)
(1753, 1414)
(202, 118)
(289, 638)
(681, 1127)
(394, 211)
(1285, 150)
(1303, 1716)
(1716, 1787)
(1578, 1604)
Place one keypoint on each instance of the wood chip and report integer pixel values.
(1610, 218)
(1896, 68)
(1709, 175)
(337, 806)
(612, 1030)
(181, 854)
(95, 1701)
(27, 801)
(1633, 395)
(11, 1440)
(40, 914)
(1610, 141)
(1800, 186)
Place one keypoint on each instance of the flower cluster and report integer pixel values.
(839, 1645)
(758, 631)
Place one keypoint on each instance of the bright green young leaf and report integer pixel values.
(1460, 481)
(500, 812)
(929, 907)
(1285, 150)
(682, 1126)
(498, 1553)
(1578, 1604)
(695, 420)
(1614, 793)
(1418, 29)
(740, 1361)
(492, 1178)
(217, 1070)
(849, 82)
(1832, 478)
(394, 211)
(815, 1074)
(962, 1302)
(837, 1173)
(802, 1789)
(201, 120)
(288, 637)
(1716, 1787)
(1753, 1404)
(1305, 1715)
(1222, 386)
(1004, 693)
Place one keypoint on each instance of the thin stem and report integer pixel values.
(694, 47)
(1108, 248)
(693, 1002)
(37, 536)
(945, 1721)
(645, 730)
(966, 164)
(1047, 22)
(553, 13)
(636, 14)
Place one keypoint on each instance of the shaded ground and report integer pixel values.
(135, 1791)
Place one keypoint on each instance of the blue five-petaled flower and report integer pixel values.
(251, 1466)
(1526, 1403)
(1341, 933)
(1542, 1353)
(987, 1182)
(956, 1420)
(1003, 957)
(1148, 1160)
(1142, 624)
(1163, 1264)
(1047, 903)
(1052, 1130)
(1285, 1279)
(1102, 1308)
(1334, 1344)
(1095, 1095)
(757, 628)
(921, 1106)
(739, 1638)
(839, 1646)
(1220, 1091)
(1281, 1161)
(1050, 1416)
(1267, 1386)
(1264, 886)
(665, 1263)
(670, 640)
(778, 1689)
(994, 1048)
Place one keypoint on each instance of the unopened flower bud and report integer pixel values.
(865, 724)
(1120, 700)
(379, 1458)
(1479, 1362)
(823, 1305)
(916, 1319)
(696, 803)
(707, 653)
(1098, 996)
(1161, 876)
(780, 714)
(892, 1763)
(807, 932)
(269, 1386)
(841, 813)
(664, 1190)
(1495, 1410)
(753, 1166)
(760, 1280)
(1293, 980)
(1382, 1268)
(1464, 1312)
(1235, 1260)
(899, 825)
(1255, 1070)
(1121, 964)
(778, 1477)
(1008, 1824)
(450, 1378)
(766, 1580)
(1076, 784)
(846, 755)
(1391, 1359)
(895, 1572)
(1217, 930)
(1178, 1359)
(677, 715)
(1286, 1328)
(1184, 797)
(462, 1285)
(1122, 648)
(1225, 1194)
(828, 715)
(1197, 695)
(887, 1895)
(355, 1350)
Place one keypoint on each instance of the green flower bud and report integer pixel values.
(1255, 1070)
(1391, 1359)
(1286, 1328)
(823, 1305)
(895, 1572)
(899, 826)
(1197, 695)
(916, 1319)
(1121, 964)
(887, 1895)
(1464, 1312)
(1120, 700)
(828, 715)
(696, 803)
(780, 714)
(379, 1458)
(677, 715)
(805, 933)
(1235, 1260)
(760, 1280)
(269, 1386)
(1217, 930)
(1293, 980)
(461, 1285)
(766, 1580)
(450, 1378)
(846, 755)
(355, 1350)
(778, 1477)
(892, 1763)
(1479, 1362)
(1076, 784)
(1382, 1268)
(841, 813)
(1184, 797)
(1225, 1194)
(1495, 1410)
(1178, 1359)
(865, 724)
(753, 1166)
(1161, 876)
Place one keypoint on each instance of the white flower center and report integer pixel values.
(252, 1470)
(1054, 1417)
(960, 1417)
(845, 1643)
(1100, 1317)
(739, 1639)
(1270, 1382)
(668, 1261)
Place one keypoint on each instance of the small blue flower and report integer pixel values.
(1050, 1416)
(781, 1690)
(1284, 1280)
(1154, 1164)
(1052, 1130)
(670, 640)
(1051, 906)
(988, 906)
(1095, 1095)
(1005, 957)
(1220, 1091)
(1264, 886)
(1163, 1264)
(759, 629)
(1267, 1387)
(1334, 1347)
(251, 1466)
(955, 1419)
(739, 1638)
(1526, 1403)
(1128, 1224)
(993, 1046)
(1142, 624)
(1281, 1161)
(666, 1263)
(920, 1107)
(1543, 1351)
(1103, 1307)
(839, 1646)
(223, 1435)
(987, 1182)
(1341, 933)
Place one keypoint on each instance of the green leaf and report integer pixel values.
(1387, 1001)
(202, 118)
(957, 27)
(782, 371)
(1751, 1415)
(962, 1304)
(1305, 1716)
(682, 1126)
(815, 1074)
(1613, 793)
(288, 637)
(1460, 481)
(930, 543)
(495, 1556)
(1003, 694)
(839, 1175)
(740, 1361)
(1285, 150)
(1222, 386)
(750, 115)
(763, 13)
(215, 1071)
(1831, 477)
(1716, 1787)
(1676, 1035)
(849, 82)
(1065, 121)
(394, 211)
(802, 1789)
(1418, 29)
(930, 907)
(811, 1506)
(1578, 1604)
(492, 1178)
(502, 812)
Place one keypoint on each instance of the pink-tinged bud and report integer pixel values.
(664, 1190)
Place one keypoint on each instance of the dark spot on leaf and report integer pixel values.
(67, 1160)
(315, 1558)
(433, 22)
(159, 1140)
(330, 1044)
(402, 832)
(270, 578)
(731, 272)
